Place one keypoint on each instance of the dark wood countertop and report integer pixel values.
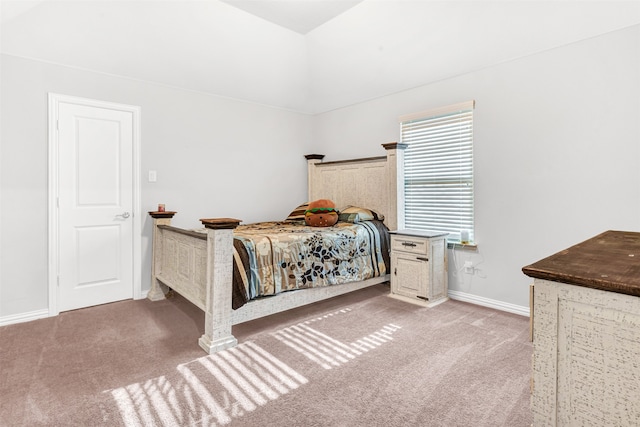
(609, 261)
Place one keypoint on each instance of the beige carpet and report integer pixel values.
(358, 360)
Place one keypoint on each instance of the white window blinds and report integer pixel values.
(438, 170)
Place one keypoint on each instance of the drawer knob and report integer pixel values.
(409, 244)
(419, 258)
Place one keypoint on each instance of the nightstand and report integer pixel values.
(419, 267)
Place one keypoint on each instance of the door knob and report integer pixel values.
(124, 215)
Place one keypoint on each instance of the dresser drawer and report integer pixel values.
(410, 245)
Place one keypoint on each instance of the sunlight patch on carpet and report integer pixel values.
(209, 390)
(327, 351)
(218, 388)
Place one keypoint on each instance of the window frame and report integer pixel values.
(436, 131)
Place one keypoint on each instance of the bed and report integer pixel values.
(206, 266)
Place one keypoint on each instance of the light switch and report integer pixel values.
(153, 176)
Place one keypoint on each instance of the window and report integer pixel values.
(438, 171)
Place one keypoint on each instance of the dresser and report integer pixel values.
(586, 333)
(419, 267)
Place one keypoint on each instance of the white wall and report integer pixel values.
(557, 139)
(214, 157)
(208, 46)
(378, 48)
(557, 145)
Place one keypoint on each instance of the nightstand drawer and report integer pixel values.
(410, 245)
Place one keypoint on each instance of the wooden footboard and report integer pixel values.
(200, 266)
(182, 263)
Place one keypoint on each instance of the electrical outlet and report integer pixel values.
(468, 267)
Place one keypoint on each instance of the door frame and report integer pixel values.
(53, 247)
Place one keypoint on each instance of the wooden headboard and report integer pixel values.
(373, 182)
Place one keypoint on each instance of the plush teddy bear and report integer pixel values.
(321, 213)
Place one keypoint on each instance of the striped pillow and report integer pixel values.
(298, 213)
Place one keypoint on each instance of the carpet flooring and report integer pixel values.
(361, 359)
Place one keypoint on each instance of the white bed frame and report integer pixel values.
(199, 266)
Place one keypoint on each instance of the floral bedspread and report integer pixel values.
(289, 255)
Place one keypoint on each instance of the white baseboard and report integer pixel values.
(23, 317)
(38, 314)
(491, 303)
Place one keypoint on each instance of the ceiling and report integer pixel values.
(309, 56)
(300, 16)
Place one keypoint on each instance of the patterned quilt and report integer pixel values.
(272, 257)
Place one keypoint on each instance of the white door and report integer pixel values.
(95, 164)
